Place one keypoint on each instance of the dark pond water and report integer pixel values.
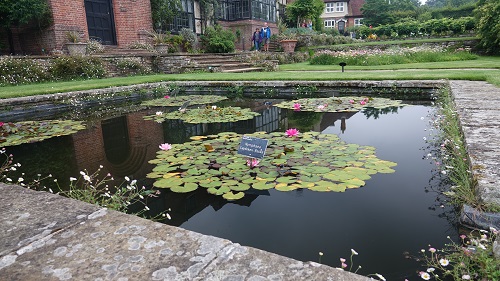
(390, 218)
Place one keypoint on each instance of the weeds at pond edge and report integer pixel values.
(455, 160)
(91, 188)
(471, 259)
(344, 265)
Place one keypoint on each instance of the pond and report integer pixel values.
(387, 221)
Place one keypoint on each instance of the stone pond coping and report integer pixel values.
(49, 237)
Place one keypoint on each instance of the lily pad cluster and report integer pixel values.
(206, 115)
(180, 100)
(319, 162)
(338, 104)
(34, 131)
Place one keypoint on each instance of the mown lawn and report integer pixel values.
(485, 68)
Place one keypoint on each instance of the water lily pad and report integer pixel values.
(12, 134)
(339, 104)
(232, 196)
(188, 187)
(206, 115)
(180, 100)
(223, 170)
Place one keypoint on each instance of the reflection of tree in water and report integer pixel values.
(376, 112)
(303, 120)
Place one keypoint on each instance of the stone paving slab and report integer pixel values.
(49, 237)
(478, 108)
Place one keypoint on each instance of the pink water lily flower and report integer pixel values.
(362, 102)
(292, 132)
(351, 101)
(321, 107)
(165, 146)
(167, 96)
(1, 124)
(296, 106)
(252, 162)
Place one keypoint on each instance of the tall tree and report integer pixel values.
(16, 13)
(487, 14)
(305, 9)
(376, 12)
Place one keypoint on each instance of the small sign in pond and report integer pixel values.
(252, 147)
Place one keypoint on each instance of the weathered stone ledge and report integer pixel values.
(49, 237)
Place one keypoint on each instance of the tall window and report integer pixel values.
(329, 23)
(264, 10)
(339, 7)
(247, 9)
(330, 7)
(357, 22)
(185, 18)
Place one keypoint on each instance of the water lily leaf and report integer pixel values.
(286, 187)
(322, 186)
(167, 183)
(354, 182)
(231, 196)
(218, 191)
(262, 185)
(286, 180)
(188, 187)
(12, 134)
(337, 187)
(240, 187)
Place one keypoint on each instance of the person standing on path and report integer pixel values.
(256, 39)
(266, 36)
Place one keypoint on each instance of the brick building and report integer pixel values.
(113, 22)
(122, 22)
(341, 14)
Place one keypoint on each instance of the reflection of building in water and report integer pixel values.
(183, 206)
(330, 118)
(271, 119)
(123, 145)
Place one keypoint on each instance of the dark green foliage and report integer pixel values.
(163, 12)
(14, 71)
(67, 68)
(218, 40)
(324, 59)
(453, 11)
(488, 24)
(305, 9)
(413, 28)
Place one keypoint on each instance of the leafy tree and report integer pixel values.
(305, 9)
(487, 14)
(16, 13)
(218, 40)
(376, 12)
(163, 12)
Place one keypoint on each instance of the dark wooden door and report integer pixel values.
(100, 21)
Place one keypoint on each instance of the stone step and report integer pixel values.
(247, 69)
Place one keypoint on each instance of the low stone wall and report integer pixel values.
(12, 109)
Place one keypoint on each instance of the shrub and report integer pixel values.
(137, 45)
(94, 47)
(130, 66)
(218, 40)
(68, 68)
(190, 39)
(14, 71)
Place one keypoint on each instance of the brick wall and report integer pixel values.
(132, 17)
